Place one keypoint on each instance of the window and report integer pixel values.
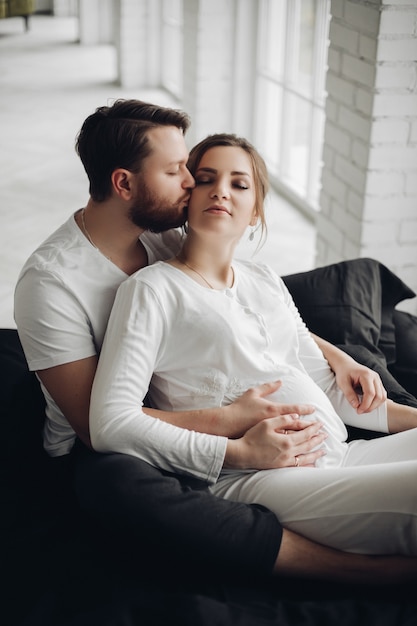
(289, 100)
(171, 66)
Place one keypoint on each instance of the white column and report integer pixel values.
(137, 38)
(96, 19)
(209, 29)
(369, 179)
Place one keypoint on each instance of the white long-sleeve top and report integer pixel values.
(196, 348)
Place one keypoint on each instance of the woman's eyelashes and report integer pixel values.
(236, 184)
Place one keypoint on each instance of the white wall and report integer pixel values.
(369, 179)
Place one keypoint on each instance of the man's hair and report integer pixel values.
(117, 136)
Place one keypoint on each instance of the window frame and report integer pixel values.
(306, 198)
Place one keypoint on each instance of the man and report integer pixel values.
(135, 157)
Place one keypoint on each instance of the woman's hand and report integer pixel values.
(283, 441)
(254, 406)
(362, 387)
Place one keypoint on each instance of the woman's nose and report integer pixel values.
(219, 191)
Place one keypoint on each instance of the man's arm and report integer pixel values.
(70, 386)
(237, 418)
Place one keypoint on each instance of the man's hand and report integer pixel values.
(254, 406)
(235, 419)
(283, 441)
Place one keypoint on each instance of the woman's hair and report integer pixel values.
(117, 136)
(260, 172)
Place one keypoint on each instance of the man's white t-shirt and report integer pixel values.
(63, 300)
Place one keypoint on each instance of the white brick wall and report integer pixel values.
(369, 180)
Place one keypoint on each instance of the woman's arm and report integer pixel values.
(118, 422)
(362, 387)
(134, 338)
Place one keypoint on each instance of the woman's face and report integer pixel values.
(223, 200)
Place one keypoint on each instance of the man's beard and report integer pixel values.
(151, 212)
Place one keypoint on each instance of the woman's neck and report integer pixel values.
(212, 268)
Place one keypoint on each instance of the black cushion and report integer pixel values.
(405, 367)
(352, 303)
(22, 410)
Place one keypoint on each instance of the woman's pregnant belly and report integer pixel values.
(298, 388)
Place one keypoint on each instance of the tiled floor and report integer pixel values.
(49, 84)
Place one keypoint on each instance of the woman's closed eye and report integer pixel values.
(240, 186)
(207, 181)
(203, 181)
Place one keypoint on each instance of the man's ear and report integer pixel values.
(121, 180)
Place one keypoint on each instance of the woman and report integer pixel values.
(202, 329)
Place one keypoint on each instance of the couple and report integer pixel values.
(199, 330)
(136, 160)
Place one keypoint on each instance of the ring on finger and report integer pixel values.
(296, 461)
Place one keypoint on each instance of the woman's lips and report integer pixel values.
(217, 209)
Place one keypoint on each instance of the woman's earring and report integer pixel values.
(253, 231)
(185, 228)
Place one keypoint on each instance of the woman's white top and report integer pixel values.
(197, 348)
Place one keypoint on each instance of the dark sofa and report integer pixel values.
(55, 572)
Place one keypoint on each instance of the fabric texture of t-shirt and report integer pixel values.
(63, 300)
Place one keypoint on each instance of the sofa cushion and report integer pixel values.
(405, 367)
(22, 410)
(352, 303)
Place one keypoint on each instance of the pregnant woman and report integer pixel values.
(203, 328)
